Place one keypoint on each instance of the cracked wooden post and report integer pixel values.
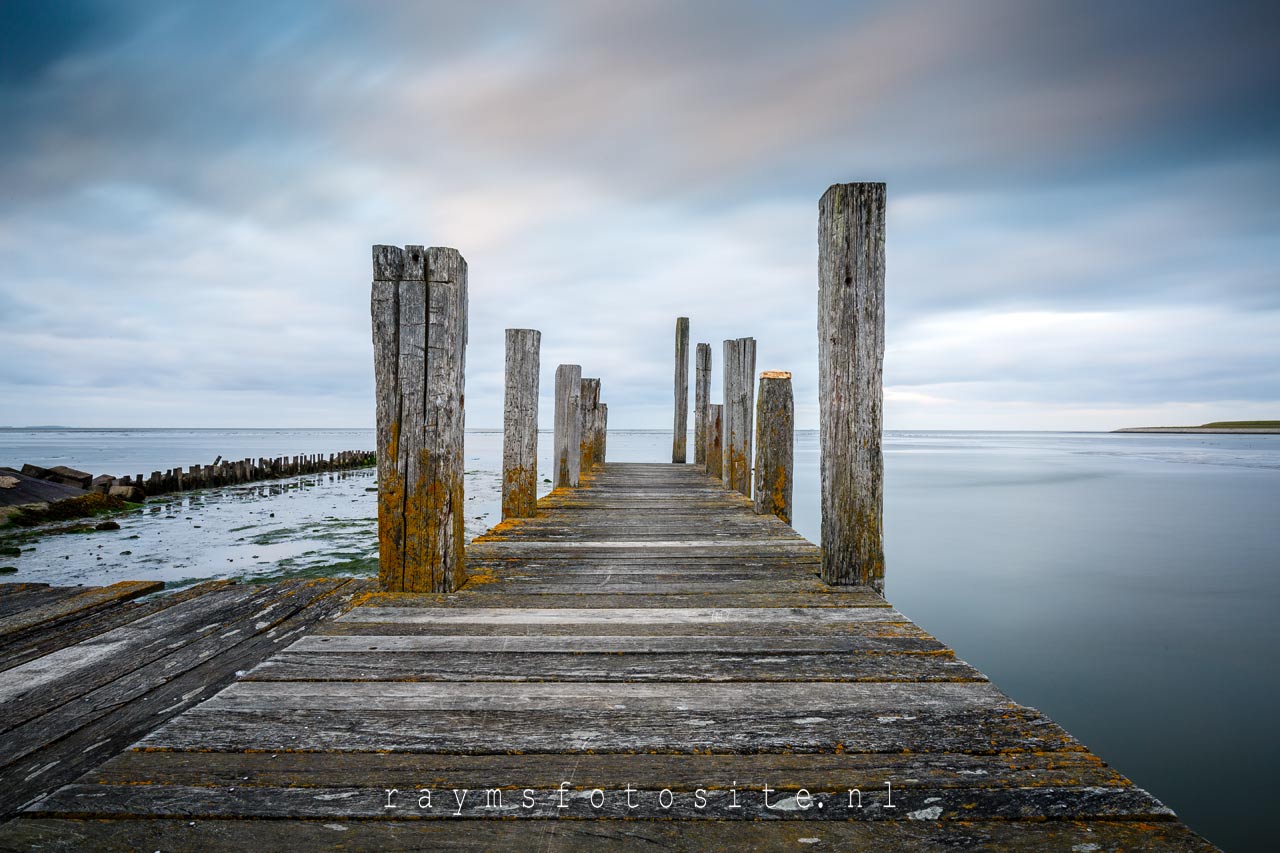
(850, 373)
(568, 423)
(419, 312)
(520, 424)
(715, 439)
(590, 404)
(680, 438)
(739, 391)
(701, 399)
(602, 433)
(775, 434)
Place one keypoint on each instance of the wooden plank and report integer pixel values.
(832, 771)
(916, 642)
(625, 615)
(765, 730)
(126, 721)
(519, 802)
(516, 665)
(80, 603)
(851, 379)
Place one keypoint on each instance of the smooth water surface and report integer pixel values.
(1126, 585)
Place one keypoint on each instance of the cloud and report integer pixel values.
(1081, 204)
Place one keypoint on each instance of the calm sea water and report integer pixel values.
(1127, 585)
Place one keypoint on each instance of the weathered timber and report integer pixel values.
(715, 440)
(578, 660)
(850, 374)
(520, 424)
(602, 433)
(679, 437)
(568, 425)
(419, 309)
(701, 400)
(589, 403)
(775, 445)
(739, 391)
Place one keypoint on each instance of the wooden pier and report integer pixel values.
(630, 667)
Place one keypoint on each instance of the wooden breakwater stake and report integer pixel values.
(602, 432)
(850, 371)
(520, 424)
(739, 391)
(701, 399)
(775, 434)
(419, 307)
(679, 438)
(715, 439)
(568, 425)
(590, 410)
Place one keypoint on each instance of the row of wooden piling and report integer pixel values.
(233, 472)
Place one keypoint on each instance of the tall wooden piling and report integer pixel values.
(602, 433)
(715, 439)
(679, 439)
(775, 441)
(739, 394)
(850, 373)
(590, 405)
(520, 424)
(701, 399)
(419, 308)
(568, 424)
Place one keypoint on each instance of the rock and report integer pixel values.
(102, 483)
(9, 550)
(129, 493)
(70, 477)
(36, 471)
(8, 570)
(9, 482)
(107, 525)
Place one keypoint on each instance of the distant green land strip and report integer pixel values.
(1218, 427)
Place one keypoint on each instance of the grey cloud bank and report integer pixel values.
(1082, 224)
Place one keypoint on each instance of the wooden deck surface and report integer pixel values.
(645, 633)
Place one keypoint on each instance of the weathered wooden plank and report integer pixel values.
(833, 598)
(831, 771)
(520, 424)
(625, 615)
(775, 427)
(568, 424)
(572, 836)
(797, 698)
(850, 374)
(93, 598)
(499, 801)
(739, 393)
(516, 665)
(126, 721)
(764, 730)
(915, 641)
(679, 437)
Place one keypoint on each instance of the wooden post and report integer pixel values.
(419, 308)
(590, 402)
(850, 374)
(568, 422)
(715, 439)
(701, 399)
(520, 424)
(602, 433)
(775, 434)
(678, 441)
(739, 391)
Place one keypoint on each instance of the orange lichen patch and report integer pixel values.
(498, 533)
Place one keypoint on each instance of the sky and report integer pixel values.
(1082, 227)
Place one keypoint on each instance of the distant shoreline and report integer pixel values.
(1206, 430)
